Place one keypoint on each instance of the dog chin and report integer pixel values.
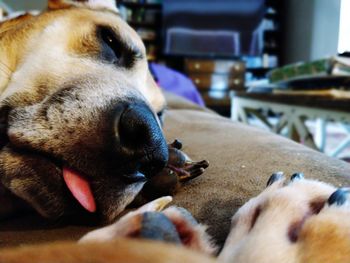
(130, 192)
(39, 181)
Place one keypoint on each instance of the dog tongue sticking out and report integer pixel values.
(80, 188)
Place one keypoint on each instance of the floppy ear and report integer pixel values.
(61, 4)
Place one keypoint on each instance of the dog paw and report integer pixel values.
(183, 167)
(296, 220)
(326, 236)
(151, 221)
(180, 169)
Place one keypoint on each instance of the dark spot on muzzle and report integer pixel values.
(139, 137)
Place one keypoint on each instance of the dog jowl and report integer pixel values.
(79, 109)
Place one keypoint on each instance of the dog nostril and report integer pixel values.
(139, 135)
(137, 127)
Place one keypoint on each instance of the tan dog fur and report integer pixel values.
(261, 228)
(34, 65)
(121, 250)
(56, 88)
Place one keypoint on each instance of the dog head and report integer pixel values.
(78, 110)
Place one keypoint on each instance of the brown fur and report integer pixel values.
(121, 250)
(53, 87)
(326, 237)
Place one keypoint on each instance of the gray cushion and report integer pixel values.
(241, 158)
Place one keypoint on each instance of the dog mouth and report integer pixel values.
(56, 185)
(80, 187)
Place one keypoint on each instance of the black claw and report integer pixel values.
(275, 177)
(176, 144)
(192, 175)
(195, 166)
(204, 164)
(297, 176)
(339, 197)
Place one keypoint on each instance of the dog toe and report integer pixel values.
(297, 176)
(274, 178)
(192, 234)
(339, 197)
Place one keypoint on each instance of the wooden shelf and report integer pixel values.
(135, 24)
(270, 32)
(140, 5)
(259, 71)
(149, 40)
(272, 50)
(271, 16)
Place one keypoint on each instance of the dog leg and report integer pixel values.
(326, 237)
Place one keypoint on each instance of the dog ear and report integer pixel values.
(62, 4)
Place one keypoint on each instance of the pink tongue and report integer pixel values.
(80, 189)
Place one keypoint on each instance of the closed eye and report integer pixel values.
(115, 51)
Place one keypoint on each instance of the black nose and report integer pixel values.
(140, 136)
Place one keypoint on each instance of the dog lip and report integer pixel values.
(135, 177)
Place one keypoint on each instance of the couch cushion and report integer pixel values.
(241, 158)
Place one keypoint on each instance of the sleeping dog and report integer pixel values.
(80, 114)
(80, 128)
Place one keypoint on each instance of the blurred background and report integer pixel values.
(262, 34)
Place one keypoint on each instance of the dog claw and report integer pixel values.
(190, 170)
(189, 176)
(156, 205)
(339, 197)
(203, 164)
(183, 167)
(193, 170)
(275, 177)
(297, 176)
(176, 144)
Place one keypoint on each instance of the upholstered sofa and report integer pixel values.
(241, 160)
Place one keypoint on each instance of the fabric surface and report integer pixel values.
(241, 160)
